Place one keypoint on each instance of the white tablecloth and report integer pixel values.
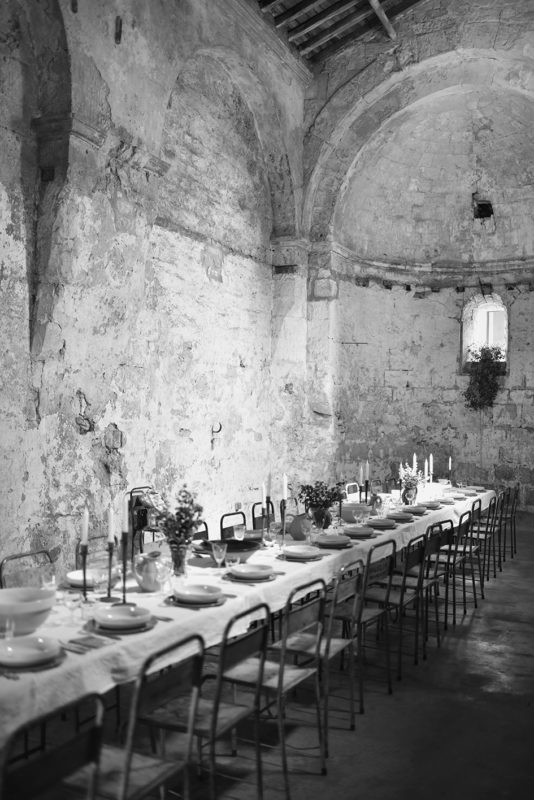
(99, 670)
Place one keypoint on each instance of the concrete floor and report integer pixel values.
(458, 725)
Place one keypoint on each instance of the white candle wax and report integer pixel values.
(85, 526)
(111, 526)
(263, 496)
(431, 464)
(284, 486)
(361, 474)
(366, 470)
(450, 463)
(414, 463)
(269, 485)
(126, 514)
(426, 467)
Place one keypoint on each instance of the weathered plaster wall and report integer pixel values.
(154, 293)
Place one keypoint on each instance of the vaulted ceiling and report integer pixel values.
(318, 28)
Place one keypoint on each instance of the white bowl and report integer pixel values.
(197, 593)
(123, 616)
(252, 571)
(28, 607)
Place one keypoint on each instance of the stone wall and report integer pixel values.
(137, 338)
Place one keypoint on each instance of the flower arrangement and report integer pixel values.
(410, 478)
(319, 494)
(486, 366)
(179, 526)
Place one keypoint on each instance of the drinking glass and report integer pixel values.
(306, 527)
(47, 577)
(218, 550)
(73, 600)
(232, 560)
(239, 532)
(8, 631)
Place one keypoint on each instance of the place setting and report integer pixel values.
(195, 595)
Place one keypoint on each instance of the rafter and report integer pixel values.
(382, 16)
(340, 27)
(323, 16)
(295, 12)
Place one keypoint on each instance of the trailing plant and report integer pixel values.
(486, 366)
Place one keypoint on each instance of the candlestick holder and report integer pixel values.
(366, 489)
(268, 513)
(124, 543)
(84, 549)
(109, 598)
(283, 505)
(360, 492)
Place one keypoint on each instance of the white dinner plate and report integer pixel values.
(300, 552)
(359, 531)
(447, 501)
(333, 540)
(432, 505)
(382, 523)
(251, 572)
(75, 579)
(459, 497)
(400, 516)
(197, 593)
(25, 651)
(417, 510)
(122, 616)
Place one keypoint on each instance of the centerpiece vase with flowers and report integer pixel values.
(318, 498)
(411, 479)
(179, 527)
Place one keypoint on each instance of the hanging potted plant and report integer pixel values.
(485, 367)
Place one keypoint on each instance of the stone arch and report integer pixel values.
(346, 136)
(474, 312)
(268, 125)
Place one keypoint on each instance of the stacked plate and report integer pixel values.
(447, 501)
(332, 540)
(28, 651)
(197, 594)
(301, 552)
(400, 516)
(417, 510)
(252, 572)
(75, 579)
(432, 505)
(382, 523)
(359, 531)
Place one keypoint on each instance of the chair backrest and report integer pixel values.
(228, 521)
(30, 778)
(239, 645)
(380, 564)
(23, 569)
(346, 589)
(476, 511)
(256, 515)
(413, 557)
(174, 671)
(304, 612)
(201, 532)
(463, 531)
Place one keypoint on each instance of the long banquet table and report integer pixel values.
(118, 661)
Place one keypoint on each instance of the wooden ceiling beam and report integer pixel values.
(334, 30)
(382, 16)
(267, 5)
(295, 12)
(323, 16)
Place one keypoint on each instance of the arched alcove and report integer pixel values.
(484, 324)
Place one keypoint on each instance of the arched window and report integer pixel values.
(484, 322)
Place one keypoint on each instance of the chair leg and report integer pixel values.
(282, 737)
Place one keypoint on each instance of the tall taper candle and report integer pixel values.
(126, 513)
(111, 526)
(366, 470)
(431, 465)
(414, 463)
(85, 526)
(284, 486)
(361, 475)
(263, 496)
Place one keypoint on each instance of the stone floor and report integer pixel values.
(458, 725)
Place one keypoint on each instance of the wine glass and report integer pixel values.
(218, 550)
(232, 560)
(306, 527)
(73, 600)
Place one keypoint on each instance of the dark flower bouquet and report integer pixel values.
(410, 478)
(179, 526)
(319, 494)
